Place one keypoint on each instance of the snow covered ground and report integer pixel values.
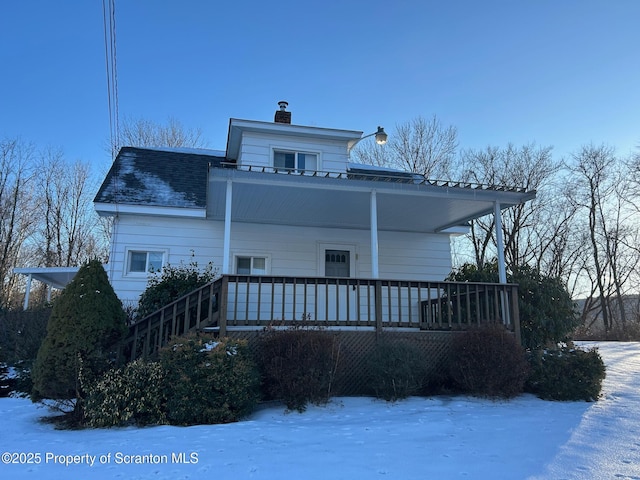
(357, 438)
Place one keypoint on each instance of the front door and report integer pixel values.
(336, 263)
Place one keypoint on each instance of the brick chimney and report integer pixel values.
(282, 116)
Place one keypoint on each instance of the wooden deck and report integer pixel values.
(245, 302)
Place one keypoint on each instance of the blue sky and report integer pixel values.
(561, 73)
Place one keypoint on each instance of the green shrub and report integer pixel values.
(171, 284)
(488, 362)
(395, 370)
(7, 383)
(208, 381)
(23, 385)
(566, 374)
(21, 335)
(131, 395)
(547, 312)
(86, 323)
(299, 365)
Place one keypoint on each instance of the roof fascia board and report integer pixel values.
(111, 209)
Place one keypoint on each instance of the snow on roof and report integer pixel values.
(364, 166)
(150, 188)
(192, 151)
(165, 177)
(375, 170)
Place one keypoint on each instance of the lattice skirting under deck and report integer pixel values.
(356, 347)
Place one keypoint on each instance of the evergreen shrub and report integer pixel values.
(208, 381)
(86, 324)
(488, 362)
(130, 395)
(299, 365)
(395, 370)
(566, 373)
(547, 312)
(7, 383)
(21, 335)
(172, 283)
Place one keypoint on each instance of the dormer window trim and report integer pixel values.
(298, 160)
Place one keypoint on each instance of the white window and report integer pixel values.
(140, 261)
(299, 161)
(251, 265)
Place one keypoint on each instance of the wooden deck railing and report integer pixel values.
(192, 312)
(239, 302)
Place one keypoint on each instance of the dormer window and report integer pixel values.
(298, 161)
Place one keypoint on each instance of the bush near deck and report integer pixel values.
(208, 381)
(566, 373)
(396, 370)
(197, 380)
(488, 362)
(298, 365)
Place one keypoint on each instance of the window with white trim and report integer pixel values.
(251, 265)
(298, 161)
(141, 261)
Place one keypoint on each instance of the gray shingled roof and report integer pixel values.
(158, 177)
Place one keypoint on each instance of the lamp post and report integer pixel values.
(381, 138)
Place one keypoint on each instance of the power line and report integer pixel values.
(109, 24)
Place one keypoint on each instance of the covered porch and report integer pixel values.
(363, 199)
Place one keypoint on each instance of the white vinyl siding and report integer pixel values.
(181, 240)
(288, 250)
(257, 149)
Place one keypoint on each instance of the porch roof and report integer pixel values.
(405, 202)
(57, 277)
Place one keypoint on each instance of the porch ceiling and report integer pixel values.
(57, 277)
(337, 202)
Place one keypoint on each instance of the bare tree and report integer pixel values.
(420, 146)
(600, 189)
(147, 133)
(559, 249)
(67, 233)
(633, 167)
(16, 209)
(530, 167)
(46, 214)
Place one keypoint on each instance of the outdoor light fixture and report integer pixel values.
(381, 138)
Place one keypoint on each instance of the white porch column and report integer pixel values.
(502, 271)
(374, 235)
(227, 231)
(27, 293)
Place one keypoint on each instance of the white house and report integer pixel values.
(297, 231)
(282, 200)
